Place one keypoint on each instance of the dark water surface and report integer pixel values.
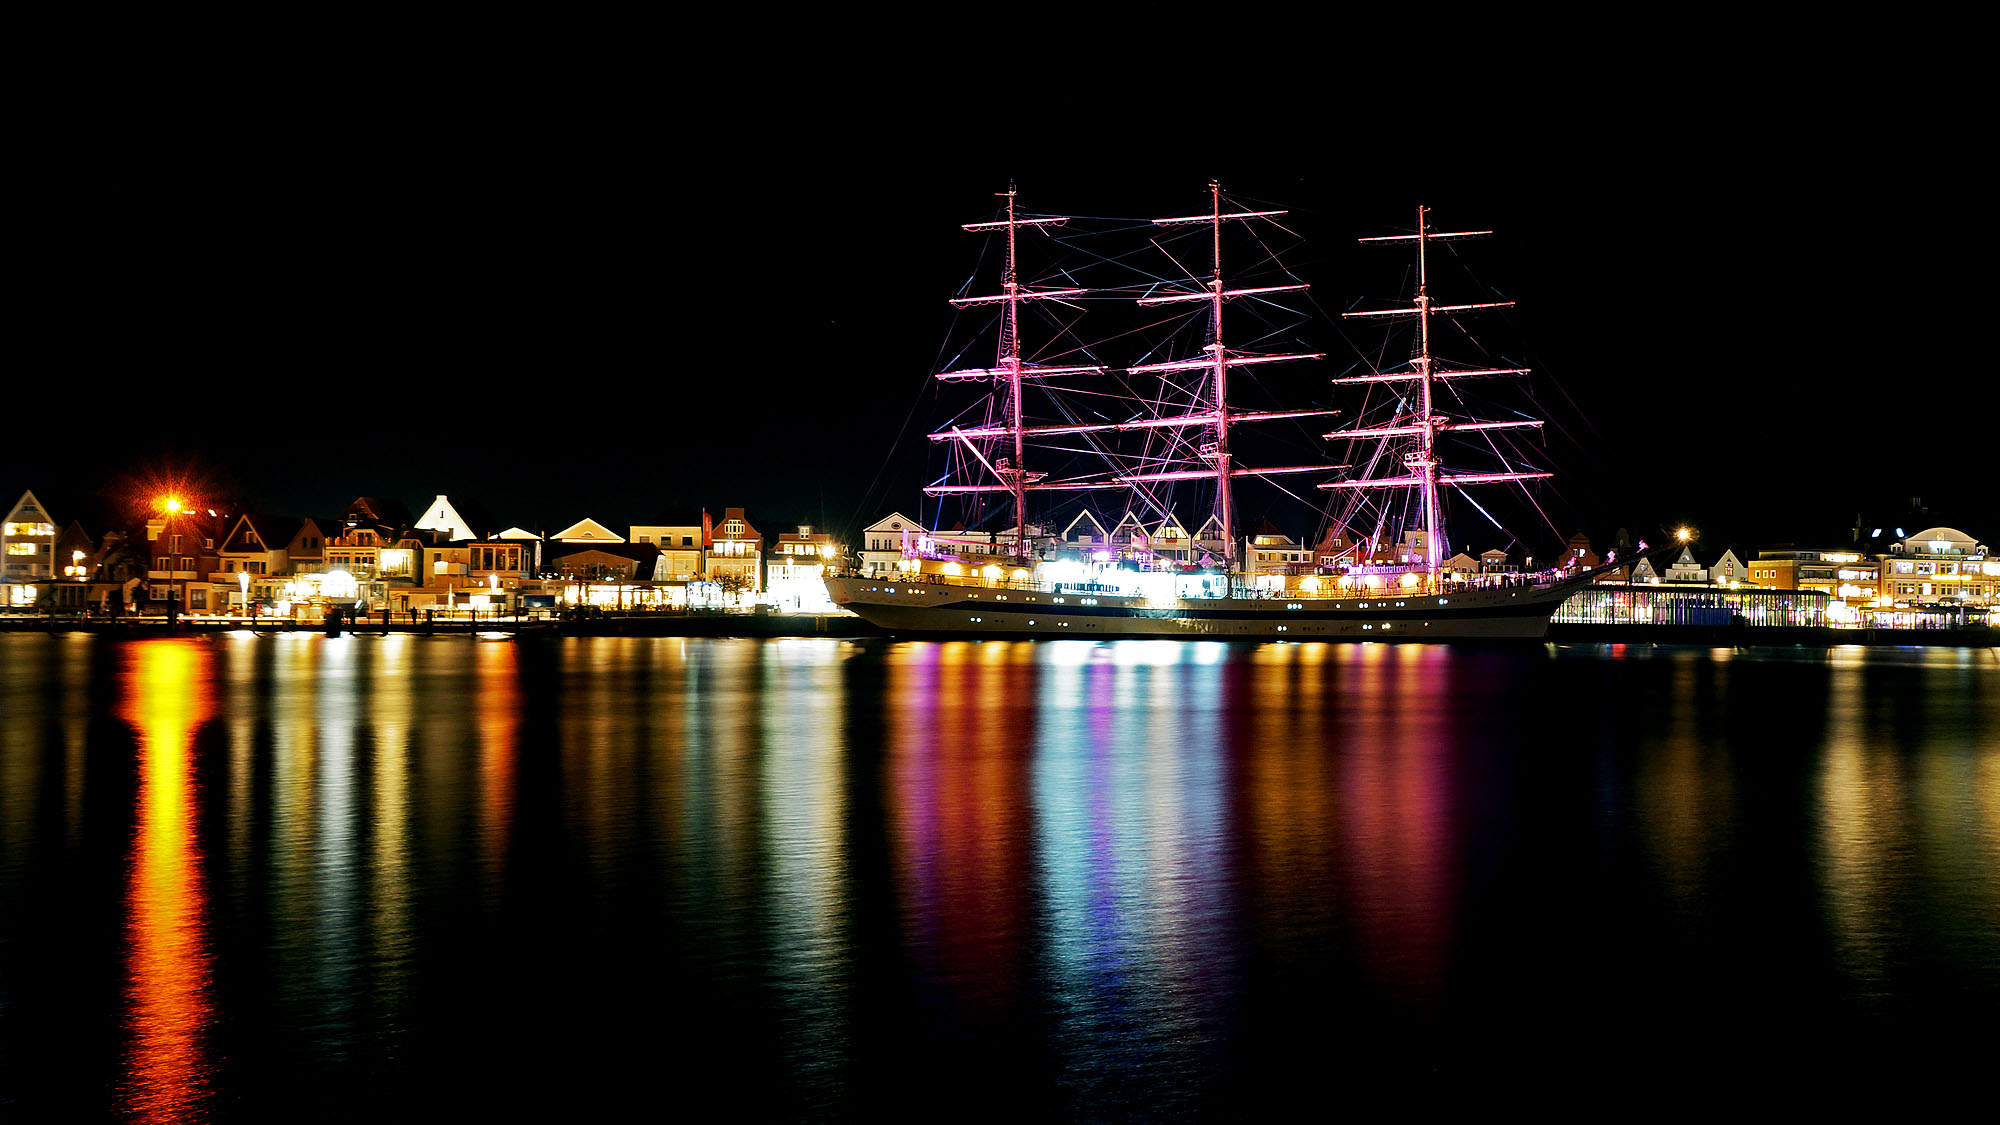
(301, 878)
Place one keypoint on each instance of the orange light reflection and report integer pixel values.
(168, 1004)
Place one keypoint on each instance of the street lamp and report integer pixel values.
(243, 587)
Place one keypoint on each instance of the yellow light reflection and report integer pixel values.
(498, 676)
(168, 1006)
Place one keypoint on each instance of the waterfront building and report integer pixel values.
(1849, 579)
(383, 564)
(612, 576)
(1577, 554)
(736, 554)
(1685, 569)
(1495, 561)
(1169, 542)
(27, 551)
(1130, 537)
(1271, 551)
(479, 574)
(683, 536)
(68, 589)
(260, 545)
(884, 541)
(1940, 566)
(1728, 570)
(183, 549)
(1664, 605)
(1461, 567)
(960, 543)
(1208, 542)
(795, 576)
(117, 569)
(1335, 549)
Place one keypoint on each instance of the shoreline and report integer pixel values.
(848, 626)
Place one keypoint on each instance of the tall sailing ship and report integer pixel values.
(1163, 424)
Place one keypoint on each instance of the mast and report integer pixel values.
(1224, 508)
(1013, 472)
(1219, 361)
(1423, 462)
(1016, 472)
(1426, 461)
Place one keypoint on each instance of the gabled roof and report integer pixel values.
(1084, 516)
(749, 531)
(324, 527)
(1267, 531)
(1335, 539)
(516, 533)
(270, 532)
(894, 521)
(382, 509)
(26, 503)
(463, 520)
(587, 530)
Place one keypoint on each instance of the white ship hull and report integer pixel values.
(935, 608)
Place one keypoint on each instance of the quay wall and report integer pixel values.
(844, 625)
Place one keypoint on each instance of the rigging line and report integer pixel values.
(923, 387)
(1460, 489)
(1271, 255)
(1546, 518)
(1334, 321)
(1118, 259)
(1189, 279)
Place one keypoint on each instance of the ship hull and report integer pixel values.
(939, 609)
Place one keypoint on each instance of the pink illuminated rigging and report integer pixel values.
(1219, 361)
(1013, 472)
(1427, 424)
(1014, 478)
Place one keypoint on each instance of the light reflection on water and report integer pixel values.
(168, 1009)
(1152, 879)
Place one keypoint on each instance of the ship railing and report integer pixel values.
(1330, 591)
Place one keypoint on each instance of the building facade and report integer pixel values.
(27, 552)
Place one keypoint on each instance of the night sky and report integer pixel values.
(605, 290)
